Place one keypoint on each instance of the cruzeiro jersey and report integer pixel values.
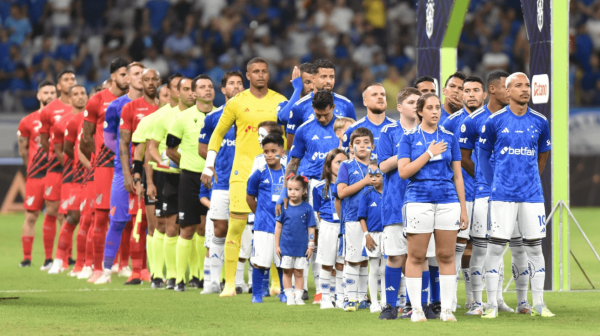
(369, 209)
(186, 127)
(111, 125)
(433, 183)
(394, 187)
(351, 172)
(470, 132)
(224, 160)
(323, 203)
(516, 142)
(266, 185)
(311, 144)
(303, 110)
(454, 124)
(282, 119)
(366, 123)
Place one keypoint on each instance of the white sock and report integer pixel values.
(325, 277)
(216, 258)
(239, 274)
(382, 282)
(493, 260)
(339, 285)
(414, 288)
(499, 296)
(363, 280)
(305, 276)
(447, 290)
(332, 287)
(537, 270)
(352, 277)
(373, 279)
(344, 282)
(207, 271)
(298, 295)
(465, 272)
(289, 293)
(459, 250)
(476, 268)
(250, 270)
(520, 269)
(402, 291)
(315, 269)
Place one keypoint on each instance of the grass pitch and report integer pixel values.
(60, 305)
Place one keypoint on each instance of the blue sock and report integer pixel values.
(392, 284)
(257, 277)
(434, 274)
(113, 241)
(265, 281)
(280, 273)
(425, 289)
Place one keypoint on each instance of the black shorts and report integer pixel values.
(190, 208)
(147, 200)
(170, 193)
(159, 183)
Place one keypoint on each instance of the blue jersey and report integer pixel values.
(469, 139)
(311, 144)
(366, 123)
(323, 203)
(303, 110)
(351, 172)
(454, 124)
(295, 221)
(282, 119)
(204, 192)
(266, 185)
(443, 116)
(335, 194)
(369, 209)
(516, 142)
(394, 187)
(433, 182)
(224, 160)
(112, 119)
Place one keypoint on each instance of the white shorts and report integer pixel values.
(377, 252)
(353, 240)
(478, 225)
(466, 233)
(427, 217)
(209, 230)
(328, 243)
(394, 242)
(507, 219)
(293, 262)
(246, 245)
(341, 254)
(219, 205)
(263, 250)
(311, 185)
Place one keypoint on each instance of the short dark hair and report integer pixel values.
(322, 100)
(64, 72)
(230, 74)
(422, 79)
(172, 77)
(117, 64)
(361, 132)
(308, 68)
(256, 60)
(421, 103)
(323, 64)
(272, 127)
(75, 86)
(181, 80)
(45, 83)
(458, 75)
(496, 75)
(199, 77)
(474, 79)
(276, 139)
(405, 93)
(161, 87)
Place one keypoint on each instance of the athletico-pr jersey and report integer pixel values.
(295, 221)
(303, 110)
(73, 135)
(394, 187)
(311, 144)
(131, 117)
(351, 172)
(266, 185)
(323, 203)
(369, 209)
(112, 118)
(50, 114)
(366, 123)
(94, 113)
(224, 160)
(516, 142)
(454, 123)
(186, 127)
(29, 127)
(433, 182)
(57, 136)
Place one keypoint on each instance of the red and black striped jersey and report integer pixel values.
(94, 113)
(37, 162)
(51, 114)
(73, 134)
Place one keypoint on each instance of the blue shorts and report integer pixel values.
(119, 200)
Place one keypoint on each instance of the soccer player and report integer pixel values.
(429, 157)
(52, 182)
(246, 111)
(59, 131)
(163, 95)
(425, 84)
(183, 138)
(453, 91)
(473, 97)
(35, 159)
(232, 83)
(303, 85)
(520, 140)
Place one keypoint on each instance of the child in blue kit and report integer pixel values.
(295, 238)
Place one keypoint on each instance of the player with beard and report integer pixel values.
(35, 160)
(425, 84)
(303, 85)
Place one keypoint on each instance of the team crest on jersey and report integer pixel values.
(30, 200)
(48, 190)
(345, 137)
(429, 14)
(130, 204)
(99, 199)
(540, 14)
(463, 128)
(291, 114)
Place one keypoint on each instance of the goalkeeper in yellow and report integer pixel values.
(246, 110)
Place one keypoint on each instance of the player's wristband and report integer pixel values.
(366, 233)
(137, 167)
(211, 156)
(311, 245)
(282, 196)
(430, 153)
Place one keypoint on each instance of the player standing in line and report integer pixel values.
(102, 166)
(246, 111)
(163, 95)
(453, 91)
(520, 140)
(50, 114)
(303, 85)
(183, 137)
(434, 202)
(232, 83)
(473, 97)
(35, 159)
(340, 127)
(59, 131)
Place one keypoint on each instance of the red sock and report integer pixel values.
(49, 234)
(84, 227)
(138, 250)
(89, 241)
(27, 246)
(100, 227)
(125, 248)
(64, 239)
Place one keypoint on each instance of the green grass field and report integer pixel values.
(60, 305)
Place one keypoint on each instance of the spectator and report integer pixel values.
(392, 84)
(44, 71)
(156, 61)
(4, 45)
(363, 55)
(61, 15)
(271, 53)
(18, 25)
(185, 67)
(495, 58)
(156, 11)
(590, 82)
(84, 62)
(93, 13)
(22, 90)
(399, 59)
(142, 41)
(45, 52)
(114, 41)
(583, 46)
(67, 49)
(379, 68)
(37, 14)
(298, 38)
(210, 9)
(178, 43)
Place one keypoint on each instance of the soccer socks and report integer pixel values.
(125, 248)
(170, 247)
(216, 260)
(150, 252)
(478, 254)
(239, 274)
(206, 276)
(159, 254)
(201, 252)
(100, 227)
(381, 282)
(289, 293)
(493, 260)
(89, 244)
(315, 269)
(434, 277)
(305, 274)
(257, 277)
(325, 277)
(425, 288)
(28, 246)
(237, 224)
(519, 268)
(414, 288)
(458, 253)
(403, 296)
(194, 261)
(447, 290)
(465, 272)
(49, 234)
(113, 241)
(84, 228)
(138, 249)
(339, 285)
(352, 279)
(537, 269)
(332, 287)
(66, 236)
(184, 252)
(392, 283)
(499, 296)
